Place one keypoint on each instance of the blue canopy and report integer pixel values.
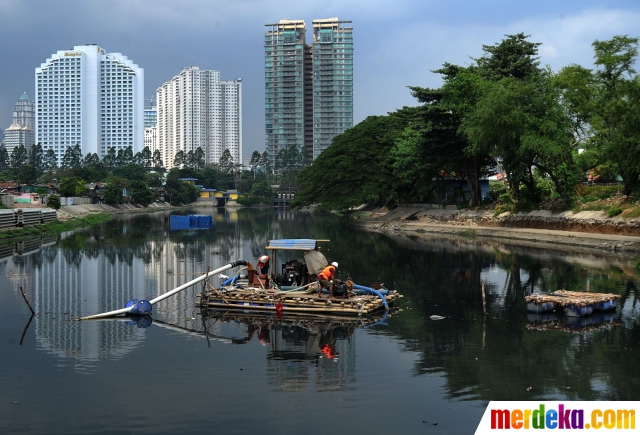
(293, 244)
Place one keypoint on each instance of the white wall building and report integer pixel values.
(89, 97)
(197, 109)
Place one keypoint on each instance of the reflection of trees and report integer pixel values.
(495, 357)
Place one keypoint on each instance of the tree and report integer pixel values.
(153, 179)
(109, 160)
(50, 162)
(112, 192)
(226, 162)
(72, 186)
(36, 159)
(264, 162)
(140, 193)
(179, 159)
(4, 157)
(179, 191)
(198, 159)
(616, 107)
(124, 157)
(90, 160)
(157, 160)
(337, 179)
(53, 201)
(19, 157)
(72, 158)
(130, 172)
(143, 158)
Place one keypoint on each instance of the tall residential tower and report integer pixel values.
(332, 81)
(308, 88)
(21, 131)
(89, 97)
(195, 110)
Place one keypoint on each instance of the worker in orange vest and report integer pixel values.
(326, 277)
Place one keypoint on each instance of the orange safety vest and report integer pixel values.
(327, 273)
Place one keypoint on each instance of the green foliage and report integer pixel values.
(178, 191)
(130, 171)
(338, 179)
(53, 201)
(56, 227)
(72, 186)
(140, 193)
(614, 211)
(112, 192)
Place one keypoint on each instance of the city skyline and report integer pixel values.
(396, 46)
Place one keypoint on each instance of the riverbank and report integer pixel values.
(74, 211)
(592, 230)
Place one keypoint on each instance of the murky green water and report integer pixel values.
(192, 372)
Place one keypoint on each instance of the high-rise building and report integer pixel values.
(150, 116)
(21, 131)
(195, 110)
(308, 87)
(288, 90)
(332, 81)
(89, 97)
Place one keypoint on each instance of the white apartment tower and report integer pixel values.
(197, 109)
(89, 97)
(21, 131)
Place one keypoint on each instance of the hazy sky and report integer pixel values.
(396, 42)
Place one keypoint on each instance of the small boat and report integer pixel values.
(291, 285)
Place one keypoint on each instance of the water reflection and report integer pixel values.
(483, 351)
(301, 352)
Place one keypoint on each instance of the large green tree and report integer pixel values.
(355, 169)
(617, 107)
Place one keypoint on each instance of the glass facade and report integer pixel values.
(308, 88)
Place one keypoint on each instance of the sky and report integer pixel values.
(397, 43)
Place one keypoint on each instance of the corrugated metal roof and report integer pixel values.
(293, 244)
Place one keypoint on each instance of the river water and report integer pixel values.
(185, 371)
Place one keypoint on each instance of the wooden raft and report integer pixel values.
(266, 299)
(565, 298)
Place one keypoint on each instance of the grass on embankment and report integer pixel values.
(56, 227)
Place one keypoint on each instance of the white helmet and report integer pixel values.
(264, 258)
(335, 264)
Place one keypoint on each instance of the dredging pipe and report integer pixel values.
(143, 307)
(375, 292)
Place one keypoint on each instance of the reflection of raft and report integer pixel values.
(557, 322)
(574, 304)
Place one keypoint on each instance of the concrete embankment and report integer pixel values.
(74, 211)
(588, 229)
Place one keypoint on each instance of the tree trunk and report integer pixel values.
(472, 171)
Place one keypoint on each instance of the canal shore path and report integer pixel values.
(593, 230)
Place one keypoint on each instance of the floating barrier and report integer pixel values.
(573, 304)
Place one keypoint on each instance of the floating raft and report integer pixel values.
(285, 302)
(574, 304)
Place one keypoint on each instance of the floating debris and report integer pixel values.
(436, 317)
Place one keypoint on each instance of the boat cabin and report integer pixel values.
(290, 273)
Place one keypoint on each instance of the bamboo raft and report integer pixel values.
(574, 304)
(286, 302)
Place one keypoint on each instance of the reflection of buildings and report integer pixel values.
(300, 358)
